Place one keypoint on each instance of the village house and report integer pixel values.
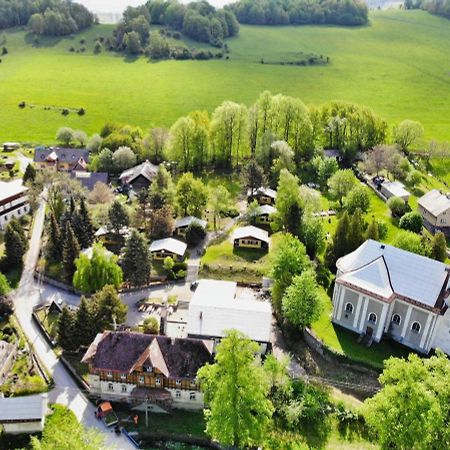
(139, 177)
(181, 225)
(215, 308)
(143, 368)
(381, 290)
(434, 207)
(109, 237)
(251, 237)
(23, 414)
(10, 146)
(263, 215)
(162, 248)
(264, 196)
(89, 179)
(61, 159)
(13, 201)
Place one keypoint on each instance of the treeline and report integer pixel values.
(300, 12)
(48, 17)
(198, 20)
(439, 7)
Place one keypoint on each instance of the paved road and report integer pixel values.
(66, 391)
(23, 161)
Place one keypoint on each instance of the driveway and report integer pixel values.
(66, 391)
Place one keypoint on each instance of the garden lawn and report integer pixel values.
(344, 342)
(398, 65)
(49, 321)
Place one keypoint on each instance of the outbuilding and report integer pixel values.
(251, 237)
(264, 213)
(23, 414)
(162, 248)
(394, 189)
(264, 196)
(181, 225)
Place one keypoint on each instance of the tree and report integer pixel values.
(438, 249)
(150, 325)
(132, 43)
(54, 241)
(283, 159)
(340, 244)
(135, 261)
(289, 259)
(118, 216)
(94, 144)
(313, 236)
(377, 158)
(372, 231)
(220, 202)
(4, 285)
(407, 133)
(191, 195)
(80, 137)
(161, 222)
(123, 158)
(180, 142)
(30, 174)
(104, 161)
(70, 252)
(356, 231)
(410, 409)
(82, 225)
(195, 233)
(397, 206)
(65, 135)
(101, 194)
(301, 301)
(15, 246)
(253, 177)
(236, 389)
(411, 242)
(84, 327)
(158, 47)
(414, 178)
(324, 168)
(66, 330)
(341, 183)
(289, 206)
(358, 198)
(162, 189)
(96, 271)
(110, 309)
(411, 221)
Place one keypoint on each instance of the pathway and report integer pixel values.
(66, 391)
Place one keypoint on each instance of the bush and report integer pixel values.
(194, 234)
(65, 112)
(22, 105)
(382, 230)
(411, 221)
(397, 206)
(81, 112)
(151, 325)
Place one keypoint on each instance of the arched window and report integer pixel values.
(396, 319)
(372, 318)
(415, 327)
(349, 308)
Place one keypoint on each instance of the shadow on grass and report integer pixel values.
(42, 41)
(130, 58)
(353, 430)
(249, 254)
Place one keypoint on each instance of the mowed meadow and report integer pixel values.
(399, 66)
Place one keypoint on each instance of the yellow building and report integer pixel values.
(162, 248)
(251, 237)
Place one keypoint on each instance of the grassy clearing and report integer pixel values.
(49, 321)
(344, 342)
(398, 65)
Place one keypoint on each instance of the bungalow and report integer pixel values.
(61, 159)
(162, 248)
(144, 369)
(13, 201)
(214, 309)
(263, 214)
(434, 208)
(381, 290)
(251, 237)
(23, 414)
(139, 177)
(89, 179)
(107, 236)
(181, 225)
(264, 196)
(394, 189)
(10, 146)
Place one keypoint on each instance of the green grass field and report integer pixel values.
(399, 66)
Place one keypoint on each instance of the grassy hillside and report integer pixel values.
(399, 66)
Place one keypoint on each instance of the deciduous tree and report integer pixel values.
(341, 183)
(438, 247)
(110, 309)
(408, 133)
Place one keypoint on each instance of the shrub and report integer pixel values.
(4, 51)
(194, 234)
(151, 325)
(22, 105)
(72, 49)
(411, 221)
(81, 112)
(382, 230)
(65, 112)
(397, 206)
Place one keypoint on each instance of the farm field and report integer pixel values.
(399, 66)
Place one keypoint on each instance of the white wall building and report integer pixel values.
(13, 201)
(23, 414)
(381, 291)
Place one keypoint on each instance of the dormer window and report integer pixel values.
(158, 381)
(109, 374)
(141, 379)
(178, 382)
(123, 376)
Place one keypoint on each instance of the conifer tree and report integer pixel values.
(118, 216)
(372, 231)
(30, 174)
(85, 328)
(16, 226)
(438, 247)
(66, 326)
(109, 308)
(356, 231)
(71, 250)
(54, 243)
(14, 247)
(340, 244)
(82, 226)
(136, 260)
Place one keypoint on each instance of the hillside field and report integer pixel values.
(399, 66)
